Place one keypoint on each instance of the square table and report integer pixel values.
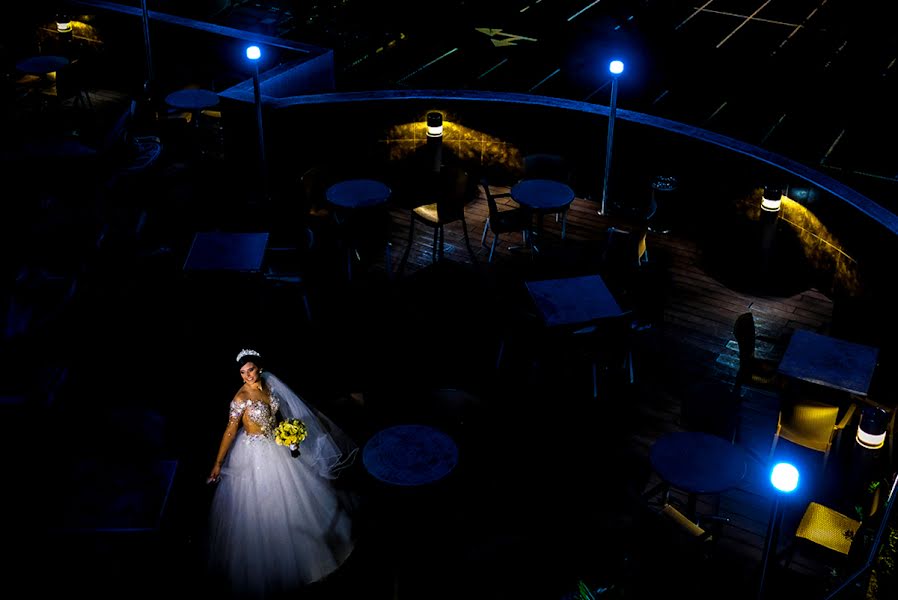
(830, 362)
(573, 300)
(223, 251)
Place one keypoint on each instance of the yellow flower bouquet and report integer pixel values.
(290, 433)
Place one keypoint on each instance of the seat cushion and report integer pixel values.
(827, 527)
(428, 212)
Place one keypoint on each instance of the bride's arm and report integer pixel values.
(236, 414)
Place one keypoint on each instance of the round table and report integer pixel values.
(41, 65)
(358, 193)
(410, 455)
(698, 463)
(192, 99)
(543, 194)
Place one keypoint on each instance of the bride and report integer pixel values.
(276, 522)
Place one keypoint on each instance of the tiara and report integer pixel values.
(247, 352)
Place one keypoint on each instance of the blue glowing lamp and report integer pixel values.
(616, 67)
(784, 477)
(253, 53)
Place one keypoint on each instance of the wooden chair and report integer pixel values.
(446, 196)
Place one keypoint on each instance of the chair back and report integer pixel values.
(624, 249)
(744, 332)
(490, 199)
(314, 184)
(514, 218)
(117, 136)
(711, 407)
(455, 189)
(546, 166)
(808, 424)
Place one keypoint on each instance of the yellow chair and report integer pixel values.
(827, 527)
(811, 425)
(823, 526)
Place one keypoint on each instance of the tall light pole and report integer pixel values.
(253, 53)
(146, 45)
(784, 478)
(616, 67)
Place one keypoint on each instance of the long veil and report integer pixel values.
(327, 448)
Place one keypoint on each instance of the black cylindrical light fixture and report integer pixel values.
(871, 431)
(435, 140)
(772, 199)
(434, 124)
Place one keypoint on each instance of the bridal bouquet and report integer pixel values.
(291, 432)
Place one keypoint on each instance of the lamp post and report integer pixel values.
(435, 139)
(771, 203)
(784, 478)
(146, 45)
(616, 67)
(254, 53)
(65, 31)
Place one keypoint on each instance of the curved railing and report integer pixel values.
(859, 201)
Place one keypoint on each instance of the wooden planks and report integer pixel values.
(697, 339)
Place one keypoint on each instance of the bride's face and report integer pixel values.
(250, 373)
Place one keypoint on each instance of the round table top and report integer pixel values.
(39, 65)
(410, 455)
(542, 194)
(698, 463)
(192, 99)
(358, 193)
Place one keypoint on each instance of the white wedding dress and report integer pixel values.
(277, 522)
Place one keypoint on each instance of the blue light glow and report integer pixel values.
(784, 477)
(616, 67)
(253, 53)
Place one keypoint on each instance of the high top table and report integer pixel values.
(573, 300)
(192, 100)
(355, 198)
(544, 196)
(830, 362)
(41, 65)
(358, 193)
(224, 251)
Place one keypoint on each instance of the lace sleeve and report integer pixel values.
(326, 448)
(236, 412)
